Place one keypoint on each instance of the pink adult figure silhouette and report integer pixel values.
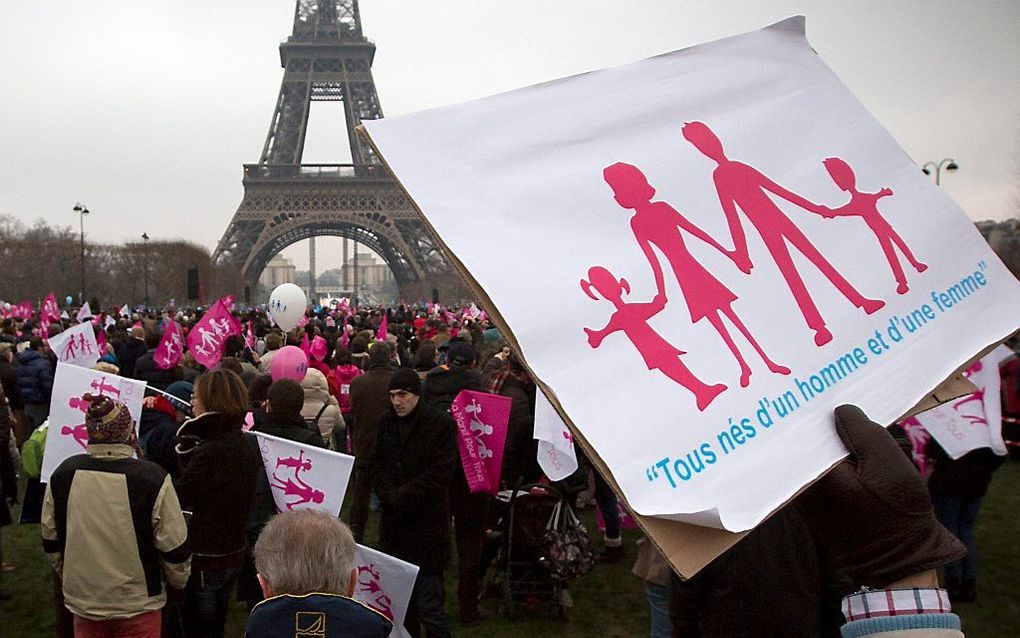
(632, 320)
(296, 487)
(741, 185)
(865, 206)
(79, 403)
(657, 224)
(79, 433)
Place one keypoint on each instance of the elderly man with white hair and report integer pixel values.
(305, 563)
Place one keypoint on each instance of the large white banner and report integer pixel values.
(304, 476)
(973, 421)
(77, 345)
(385, 584)
(726, 246)
(67, 434)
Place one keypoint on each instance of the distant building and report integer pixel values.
(279, 270)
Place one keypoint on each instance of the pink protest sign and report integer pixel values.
(50, 309)
(205, 341)
(385, 584)
(380, 334)
(304, 476)
(67, 433)
(481, 433)
(171, 347)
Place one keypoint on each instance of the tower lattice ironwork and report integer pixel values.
(326, 58)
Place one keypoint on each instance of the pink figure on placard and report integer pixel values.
(83, 345)
(632, 319)
(69, 350)
(658, 225)
(78, 403)
(298, 463)
(379, 600)
(297, 487)
(79, 433)
(741, 185)
(865, 206)
(101, 386)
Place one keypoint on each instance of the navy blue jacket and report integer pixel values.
(35, 377)
(326, 615)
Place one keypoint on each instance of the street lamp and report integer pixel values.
(145, 258)
(948, 163)
(82, 212)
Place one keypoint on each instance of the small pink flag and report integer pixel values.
(481, 420)
(381, 333)
(249, 337)
(50, 309)
(345, 339)
(101, 342)
(205, 341)
(171, 346)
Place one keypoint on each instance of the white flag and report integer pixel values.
(125, 311)
(733, 246)
(385, 584)
(305, 476)
(64, 315)
(76, 345)
(556, 453)
(973, 421)
(67, 433)
(110, 321)
(84, 313)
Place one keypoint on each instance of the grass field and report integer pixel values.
(608, 602)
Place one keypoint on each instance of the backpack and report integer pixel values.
(313, 423)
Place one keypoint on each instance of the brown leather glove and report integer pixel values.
(872, 513)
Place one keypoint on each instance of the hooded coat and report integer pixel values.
(320, 404)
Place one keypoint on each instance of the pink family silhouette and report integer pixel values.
(657, 225)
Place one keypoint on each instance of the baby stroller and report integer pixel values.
(543, 546)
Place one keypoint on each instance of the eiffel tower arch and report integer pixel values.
(327, 58)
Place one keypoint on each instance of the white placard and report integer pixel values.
(305, 476)
(973, 421)
(556, 454)
(67, 434)
(725, 245)
(385, 584)
(77, 345)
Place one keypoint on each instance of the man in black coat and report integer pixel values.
(470, 511)
(145, 368)
(413, 460)
(283, 414)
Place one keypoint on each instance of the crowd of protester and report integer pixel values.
(156, 533)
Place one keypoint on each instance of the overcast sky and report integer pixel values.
(145, 111)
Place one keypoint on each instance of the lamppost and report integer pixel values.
(948, 163)
(82, 212)
(145, 258)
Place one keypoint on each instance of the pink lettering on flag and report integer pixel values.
(171, 347)
(205, 340)
(481, 420)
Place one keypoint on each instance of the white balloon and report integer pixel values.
(287, 305)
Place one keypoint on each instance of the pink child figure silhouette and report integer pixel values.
(865, 206)
(741, 185)
(298, 463)
(632, 320)
(78, 403)
(658, 224)
(102, 386)
(79, 432)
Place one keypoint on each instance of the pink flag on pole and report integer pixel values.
(228, 302)
(249, 337)
(50, 309)
(205, 341)
(171, 347)
(481, 420)
(381, 333)
(24, 310)
(101, 342)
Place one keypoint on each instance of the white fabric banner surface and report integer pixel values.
(84, 312)
(304, 476)
(77, 345)
(385, 584)
(67, 434)
(973, 421)
(556, 454)
(728, 246)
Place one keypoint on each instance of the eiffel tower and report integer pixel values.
(327, 58)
